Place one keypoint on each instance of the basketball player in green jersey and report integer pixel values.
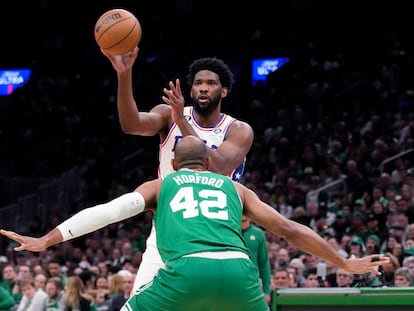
(197, 216)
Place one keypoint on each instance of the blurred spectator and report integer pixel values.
(357, 225)
(410, 231)
(311, 278)
(283, 207)
(102, 301)
(398, 252)
(356, 183)
(367, 280)
(88, 279)
(403, 277)
(389, 269)
(6, 298)
(24, 272)
(280, 279)
(273, 248)
(54, 269)
(293, 282)
(115, 258)
(126, 252)
(101, 285)
(40, 281)
(293, 251)
(372, 244)
(389, 243)
(118, 300)
(409, 263)
(55, 292)
(75, 296)
(103, 268)
(345, 242)
(115, 285)
(356, 247)
(256, 242)
(379, 195)
(310, 261)
(409, 246)
(33, 299)
(373, 228)
(344, 278)
(341, 224)
(11, 282)
(298, 268)
(335, 245)
(282, 258)
(379, 212)
(360, 206)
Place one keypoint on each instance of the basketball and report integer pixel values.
(117, 31)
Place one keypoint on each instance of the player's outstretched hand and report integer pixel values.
(366, 264)
(174, 97)
(122, 62)
(26, 242)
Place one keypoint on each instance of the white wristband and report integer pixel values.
(98, 216)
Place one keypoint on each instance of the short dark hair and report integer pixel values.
(215, 65)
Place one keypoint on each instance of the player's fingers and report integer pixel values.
(178, 86)
(166, 100)
(19, 248)
(379, 259)
(375, 272)
(10, 234)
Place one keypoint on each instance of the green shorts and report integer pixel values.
(202, 284)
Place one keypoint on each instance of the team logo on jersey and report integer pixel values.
(217, 131)
(187, 117)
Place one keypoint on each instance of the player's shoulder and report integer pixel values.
(162, 108)
(238, 122)
(242, 123)
(242, 128)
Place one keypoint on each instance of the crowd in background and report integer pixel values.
(331, 116)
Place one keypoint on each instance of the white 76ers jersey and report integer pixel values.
(212, 136)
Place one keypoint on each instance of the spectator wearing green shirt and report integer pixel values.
(9, 281)
(6, 298)
(256, 241)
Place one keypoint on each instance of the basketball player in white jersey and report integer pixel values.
(229, 139)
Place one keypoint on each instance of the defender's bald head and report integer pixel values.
(191, 152)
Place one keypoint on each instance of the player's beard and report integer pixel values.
(208, 108)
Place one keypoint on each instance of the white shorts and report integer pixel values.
(151, 262)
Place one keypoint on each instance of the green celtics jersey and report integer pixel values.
(198, 212)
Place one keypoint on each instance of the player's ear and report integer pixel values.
(208, 163)
(174, 164)
(224, 92)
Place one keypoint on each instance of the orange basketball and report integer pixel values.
(117, 31)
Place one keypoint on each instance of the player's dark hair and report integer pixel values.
(215, 65)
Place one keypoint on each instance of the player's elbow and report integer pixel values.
(126, 129)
